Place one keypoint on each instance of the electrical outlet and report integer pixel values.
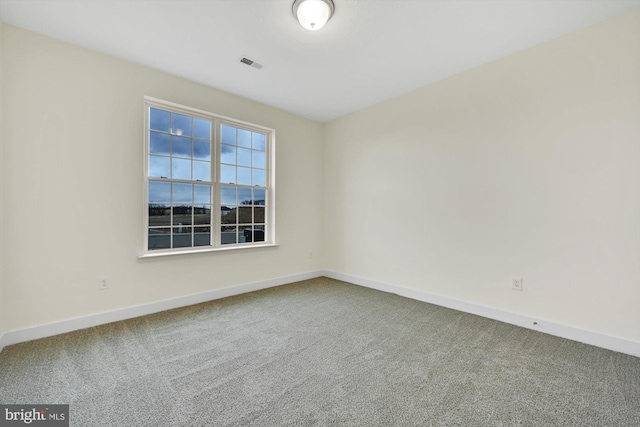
(516, 283)
(103, 283)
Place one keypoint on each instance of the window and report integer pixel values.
(208, 181)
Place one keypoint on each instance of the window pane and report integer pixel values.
(159, 143)
(228, 174)
(181, 169)
(228, 214)
(228, 154)
(201, 150)
(159, 192)
(159, 120)
(244, 196)
(258, 234)
(258, 177)
(182, 215)
(259, 197)
(181, 147)
(228, 235)
(182, 237)
(247, 233)
(244, 157)
(258, 159)
(202, 215)
(202, 171)
(244, 176)
(182, 193)
(159, 214)
(159, 238)
(202, 194)
(228, 195)
(159, 167)
(258, 141)
(258, 214)
(228, 135)
(181, 125)
(202, 236)
(244, 138)
(202, 129)
(245, 215)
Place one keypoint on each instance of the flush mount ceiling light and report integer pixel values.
(313, 14)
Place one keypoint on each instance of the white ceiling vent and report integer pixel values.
(250, 62)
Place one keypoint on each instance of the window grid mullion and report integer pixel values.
(216, 188)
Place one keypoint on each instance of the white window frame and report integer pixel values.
(217, 121)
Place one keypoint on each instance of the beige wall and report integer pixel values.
(73, 186)
(528, 166)
(2, 300)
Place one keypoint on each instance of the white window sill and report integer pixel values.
(204, 250)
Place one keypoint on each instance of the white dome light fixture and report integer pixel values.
(313, 14)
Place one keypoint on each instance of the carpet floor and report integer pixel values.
(321, 353)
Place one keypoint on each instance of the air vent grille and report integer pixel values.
(250, 62)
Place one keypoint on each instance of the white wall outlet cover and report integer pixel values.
(516, 283)
(103, 283)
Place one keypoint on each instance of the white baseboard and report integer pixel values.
(576, 334)
(68, 325)
(608, 342)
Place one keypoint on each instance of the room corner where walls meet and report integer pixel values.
(2, 168)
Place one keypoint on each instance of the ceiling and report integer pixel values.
(371, 50)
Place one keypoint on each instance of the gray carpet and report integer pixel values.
(322, 352)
